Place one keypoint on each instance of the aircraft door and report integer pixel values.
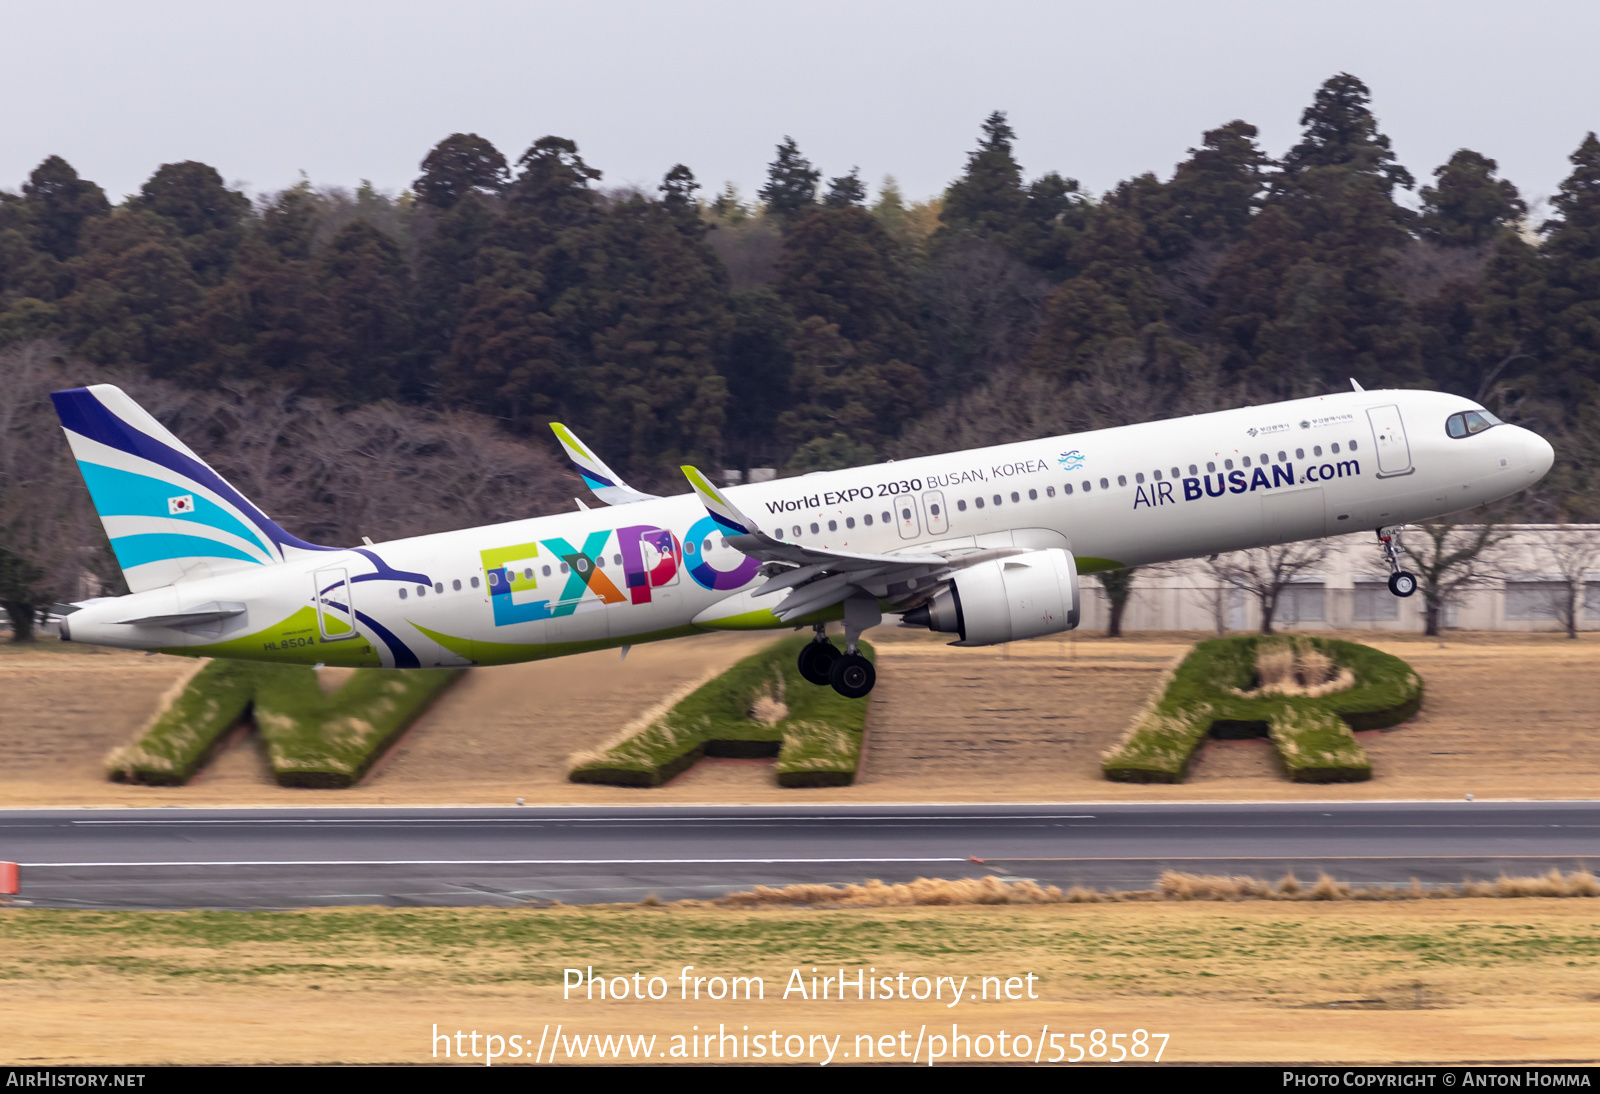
(1389, 437)
(905, 516)
(336, 612)
(938, 519)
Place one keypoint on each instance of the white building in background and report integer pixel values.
(1521, 591)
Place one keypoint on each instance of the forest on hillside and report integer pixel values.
(805, 327)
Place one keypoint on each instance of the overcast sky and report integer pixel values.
(1098, 91)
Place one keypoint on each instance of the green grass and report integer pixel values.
(817, 741)
(1312, 735)
(313, 739)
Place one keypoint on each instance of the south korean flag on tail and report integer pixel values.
(181, 506)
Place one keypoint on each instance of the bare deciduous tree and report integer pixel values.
(1572, 554)
(1265, 572)
(1449, 559)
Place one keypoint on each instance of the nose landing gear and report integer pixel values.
(1401, 583)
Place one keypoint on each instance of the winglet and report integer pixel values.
(606, 484)
(1354, 386)
(722, 510)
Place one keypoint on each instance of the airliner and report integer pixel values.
(987, 545)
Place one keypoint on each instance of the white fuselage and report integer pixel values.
(613, 576)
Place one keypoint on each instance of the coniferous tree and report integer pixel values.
(266, 321)
(209, 217)
(1306, 299)
(791, 189)
(57, 204)
(1218, 189)
(1571, 297)
(759, 369)
(461, 164)
(1469, 206)
(363, 283)
(523, 333)
(846, 190)
(989, 200)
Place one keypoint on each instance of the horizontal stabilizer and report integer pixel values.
(204, 613)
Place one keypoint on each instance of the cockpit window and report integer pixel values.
(1469, 422)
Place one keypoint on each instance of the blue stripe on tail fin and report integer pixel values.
(169, 516)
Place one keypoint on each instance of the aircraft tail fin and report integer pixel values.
(169, 516)
(606, 484)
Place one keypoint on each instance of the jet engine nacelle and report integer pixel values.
(1006, 600)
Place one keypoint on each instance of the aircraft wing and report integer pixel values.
(606, 483)
(820, 578)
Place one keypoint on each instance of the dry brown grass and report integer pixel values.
(1172, 885)
(1254, 980)
(1507, 716)
(1295, 667)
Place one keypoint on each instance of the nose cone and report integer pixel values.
(1538, 455)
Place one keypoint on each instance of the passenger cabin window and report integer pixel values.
(474, 582)
(1015, 497)
(546, 571)
(422, 590)
(797, 532)
(402, 594)
(978, 502)
(1299, 453)
(1050, 491)
(1210, 466)
(998, 499)
(1247, 461)
(833, 526)
(867, 520)
(887, 518)
(1067, 489)
(1227, 465)
(1087, 486)
(1176, 475)
(815, 529)
(1335, 448)
(1316, 450)
(1033, 495)
(1122, 480)
(933, 510)
(1283, 455)
(456, 584)
(961, 505)
(1193, 470)
(1352, 446)
(1265, 458)
(1104, 485)
(438, 586)
(850, 522)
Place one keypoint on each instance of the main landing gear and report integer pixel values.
(849, 673)
(1401, 583)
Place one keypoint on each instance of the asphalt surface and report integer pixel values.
(278, 858)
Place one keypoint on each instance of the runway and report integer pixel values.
(285, 858)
